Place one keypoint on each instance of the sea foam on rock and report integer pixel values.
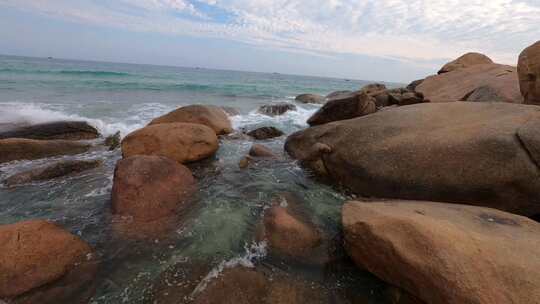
(529, 74)
(212, 116)
(276, 109)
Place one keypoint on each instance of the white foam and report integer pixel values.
(297, 117)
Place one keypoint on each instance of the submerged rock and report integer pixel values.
(344, 107)
(310, 98)
(465, 61)
(67, 130)
(52, 171)
(29, 149)
(211, 116)
(277, 109)
(113, 141)
(529, 74)
(265, 133)
(258, 150)
(477, 153)
(42, 263)
(183, 142)
(445, 253)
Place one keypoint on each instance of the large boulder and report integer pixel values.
(344, 107)
(151, 189)
(445, 253)
(478, 153)
(529, 74)
(56, 170)
(310, 98)
(212, 116)
(461, 83)
(465, 61)
(183, 142)
(42, 263)
(28, 149)
(68, 130)
(276, 109)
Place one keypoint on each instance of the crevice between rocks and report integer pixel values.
(527, 151)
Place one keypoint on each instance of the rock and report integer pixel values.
(478, 153)
(211, 116)
(42, 263)
(444, 253)
(404, 97)
(28, 149)
(258, 150)
(457, 85)
(67, 130)
(277, 109)
(412, 86)
(484, 94)
(231, 111)
(374, 88)
(113, 141)
(245, 162)
(346, 107)
(465, 61)
(335, 94)
(49, 172)
(265, 133)
(151, 188)
(310, 98)
(529, 74)
(183, 142)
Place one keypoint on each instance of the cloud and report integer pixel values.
(420, 31)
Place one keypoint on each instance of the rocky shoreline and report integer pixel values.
(444, 180)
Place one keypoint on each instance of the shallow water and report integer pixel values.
(219, 231)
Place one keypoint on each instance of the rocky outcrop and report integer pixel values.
(42, 263)
(310, 98)
(59, 169)
(477, 153)
(28, 149)
(529, 74)
(277, 109)
(373, 89)
(211, 116)
(183, 142)
(465, 61)
(412, 86)
(459, 84)
(265, 133)
(344, 107)
(399, 96)
(445, 253)
(67, 130)
(151, 189)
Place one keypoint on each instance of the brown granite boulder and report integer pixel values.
(529, 74)
(461, 83)
(28, 149)
(374, 88)
(446, 253)
(276, 109)
(310, 98)
(465, 61)
(42, 263)
(265, 133)
(183, 142)
(67, 130)
(56, 170)
(477, 153)
(344, 107)
(212, 116)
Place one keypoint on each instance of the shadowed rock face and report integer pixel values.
(446, 253)
(42, 263)
(529, 74)
(28, 149)
(68, 130)
(265, 133)
(212, 116)
(477, 153)
(344, 107)
(465, 61)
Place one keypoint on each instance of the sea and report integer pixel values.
(230, 203)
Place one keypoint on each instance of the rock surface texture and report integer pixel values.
(465, 61)
(211, 116)
(529, 74)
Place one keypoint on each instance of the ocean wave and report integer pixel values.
(95, 73)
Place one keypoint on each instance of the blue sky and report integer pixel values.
(392, 40)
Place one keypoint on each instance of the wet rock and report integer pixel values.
(374, 88)
(412, 86)
(265, 133)
(67, 130)
(465, 61)
(529, 74)
(56, 170)
(444, 253)
(262, 151)
(231, 111)
(42, 263)
(113, 141)
(151, 190)
(211, 116)
(183, 142)
(477, 153)
(28, 149)
(310, 98)
(335, 94)
(245, 162)
(457, 85)
(277, 109)
(344, 107)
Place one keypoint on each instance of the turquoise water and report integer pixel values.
(220, 228)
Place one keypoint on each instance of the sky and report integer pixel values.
(390, 40)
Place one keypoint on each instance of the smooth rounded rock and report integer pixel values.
(212, 116)
(465, 61)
